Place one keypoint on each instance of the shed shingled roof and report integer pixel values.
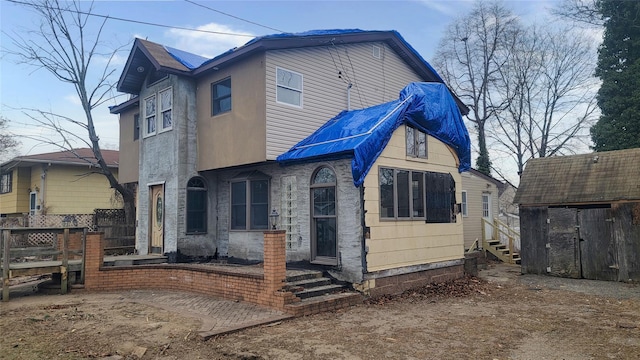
(601, 177)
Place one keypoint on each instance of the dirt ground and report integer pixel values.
(501, 315)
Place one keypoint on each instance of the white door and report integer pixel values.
(33, 203)
(487, 215)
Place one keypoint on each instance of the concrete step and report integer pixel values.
(328, 302)
(319, 291)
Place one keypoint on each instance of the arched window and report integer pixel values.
(324, 220)
(196, 206)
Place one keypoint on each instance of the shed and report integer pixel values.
(580, 216)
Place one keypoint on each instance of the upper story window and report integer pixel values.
(221, 97)
(250, 201)
(166, 104)
(465, 212)
(6, 182)
(150, 115)
(196, 206)
(416, 143)
(288, 87)
(136, 127)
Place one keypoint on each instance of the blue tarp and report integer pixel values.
(363, 134)
(191, 61)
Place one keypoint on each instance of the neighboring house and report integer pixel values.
(480, 200)
(57, 183)
(508, 209)
(580, 216)
(201, 138)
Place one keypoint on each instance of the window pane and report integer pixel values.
(324, 201)
(411, 142)
(323, 176)
(288, 96)
(196, 210)
(289, 79)
(165, 100)
(259, 204)
(239, 205)
(150, 106)
(151, 124)
(221, 97)
(166, 119)
(440, 194)
(386, 193)
(326, 237)
(136, 126)
(403, 194)
(417, 188)
(464, 203)
(422, 144)
(222, 89)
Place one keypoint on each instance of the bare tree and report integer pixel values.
(67, 44)
(580, 11)
(550, 89)
(469, 59)
(8, 141)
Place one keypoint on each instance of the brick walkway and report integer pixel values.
(218, 316)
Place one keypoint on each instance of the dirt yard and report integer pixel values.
(507, 316)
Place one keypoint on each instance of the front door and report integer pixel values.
(486, 214)
(324, 221)
(157, 219)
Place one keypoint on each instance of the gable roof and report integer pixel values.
(84, 157)
(600, 177)
(146, 55)
(488, 178)
(363, 134)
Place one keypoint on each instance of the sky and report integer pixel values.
(420, 22)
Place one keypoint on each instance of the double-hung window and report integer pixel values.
(196, 206)
(221, 97)
(166, 104)
(250, 201)
(416, 143)
(465, 211)
(150, 115)
(6, 182)
(288, 87)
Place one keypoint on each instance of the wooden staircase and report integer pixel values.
(317, 293)
(505, 249)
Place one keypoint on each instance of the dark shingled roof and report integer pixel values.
(66, 157)
(602, 177)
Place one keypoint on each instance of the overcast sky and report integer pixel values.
(421, 23)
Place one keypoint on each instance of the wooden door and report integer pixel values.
(563, 258)
(598, 251)
(488, 216)
(157, 219)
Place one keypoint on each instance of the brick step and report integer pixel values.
(319, 291)
(323, 303)
(299, 275)
(300, 285)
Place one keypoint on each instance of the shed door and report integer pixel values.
(598, 251)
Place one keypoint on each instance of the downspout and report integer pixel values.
(349, 96)
(365, 233)
(43, 177)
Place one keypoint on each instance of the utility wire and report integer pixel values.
(233, 16)
(134, 21)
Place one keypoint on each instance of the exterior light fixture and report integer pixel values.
(274, 219)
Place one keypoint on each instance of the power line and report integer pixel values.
(134, 21)
(233, 16)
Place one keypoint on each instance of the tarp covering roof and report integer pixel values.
(363, 134)
(192, 61)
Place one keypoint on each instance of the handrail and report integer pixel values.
(498, 229)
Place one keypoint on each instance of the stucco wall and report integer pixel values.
(402, 243)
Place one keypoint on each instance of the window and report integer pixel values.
(6, 182)
(441, 197)
(375, 51)
(150, 115)
(402, 194)
(416, 143)
(250, 202)
(221, 97)
(166, 103)
(196, 206)
(485, 206)
(464, 203)
(289, 87)
(136, 127)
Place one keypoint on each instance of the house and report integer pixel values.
(508, 209)
(217, 145)
(56, 183)
(480, 200)
(580, 216)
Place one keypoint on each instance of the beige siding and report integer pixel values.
(17, 201)
(374, 81)
(394, 244)
(476, 187)
(129, 151)
(236, 137)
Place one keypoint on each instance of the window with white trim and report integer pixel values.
(288, 87)
(416, 143)
(150, 115)
(166, 104)
(464, 203)
(6, 182)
